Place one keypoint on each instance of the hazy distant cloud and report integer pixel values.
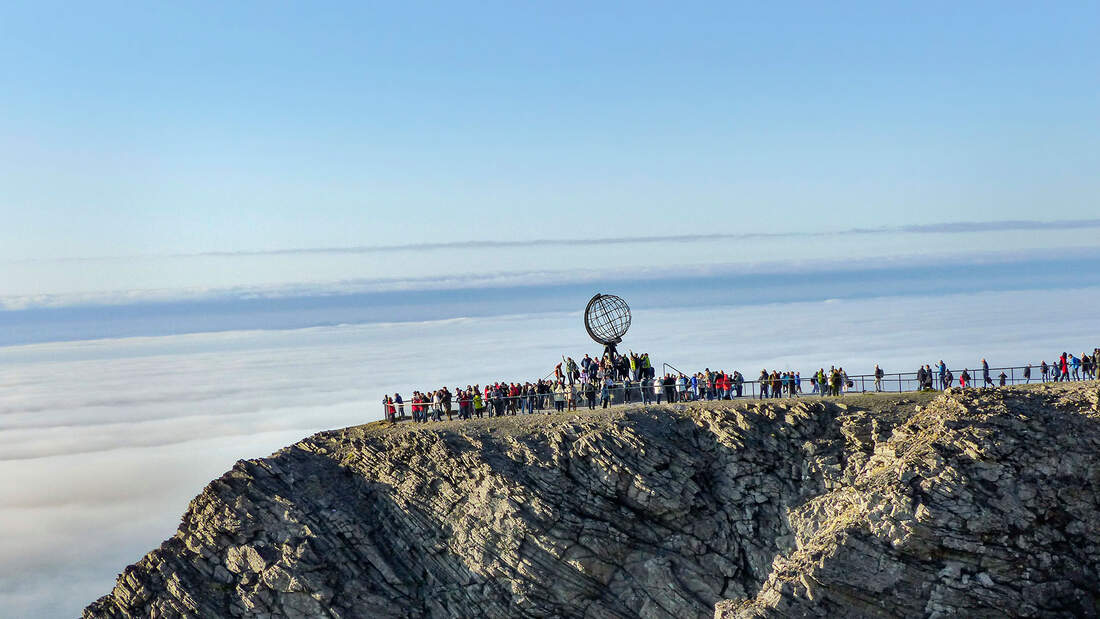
(546, 277)
(934, 228)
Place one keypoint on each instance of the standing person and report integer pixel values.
(571, 395)
(764, 380)
(479, 404)
(1075, 363)
(559, 397)
(878, 377)
(400, 406)
(500, 394)
(590, 394)
(964, 378)
(985, 374)
(1003, 377)
(1027, 374)
(605, 393)
(943, 375)
(437, 405)
(738, 382)
(1045, 370)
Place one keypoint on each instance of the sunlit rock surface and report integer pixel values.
(975, 504)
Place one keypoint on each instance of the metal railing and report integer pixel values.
(645, 392)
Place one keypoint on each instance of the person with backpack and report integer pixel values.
(985, 374)
(835, 382)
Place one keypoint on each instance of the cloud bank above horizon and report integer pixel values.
(93, 315)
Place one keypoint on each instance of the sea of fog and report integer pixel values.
(103, 442)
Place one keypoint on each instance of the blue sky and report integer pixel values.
(130, 129)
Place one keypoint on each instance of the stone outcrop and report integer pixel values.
(981, 503)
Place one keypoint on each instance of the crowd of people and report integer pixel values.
(631, 377)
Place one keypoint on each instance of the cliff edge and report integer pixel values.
(982, 503)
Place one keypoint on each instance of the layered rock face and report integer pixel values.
(975, 504)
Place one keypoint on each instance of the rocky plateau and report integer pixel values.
(981, 503)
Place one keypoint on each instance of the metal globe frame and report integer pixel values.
(607, 318)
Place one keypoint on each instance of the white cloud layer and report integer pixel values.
(103, 443)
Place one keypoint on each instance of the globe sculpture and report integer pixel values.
(606, 319)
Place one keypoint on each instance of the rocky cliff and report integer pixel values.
(975, 504)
